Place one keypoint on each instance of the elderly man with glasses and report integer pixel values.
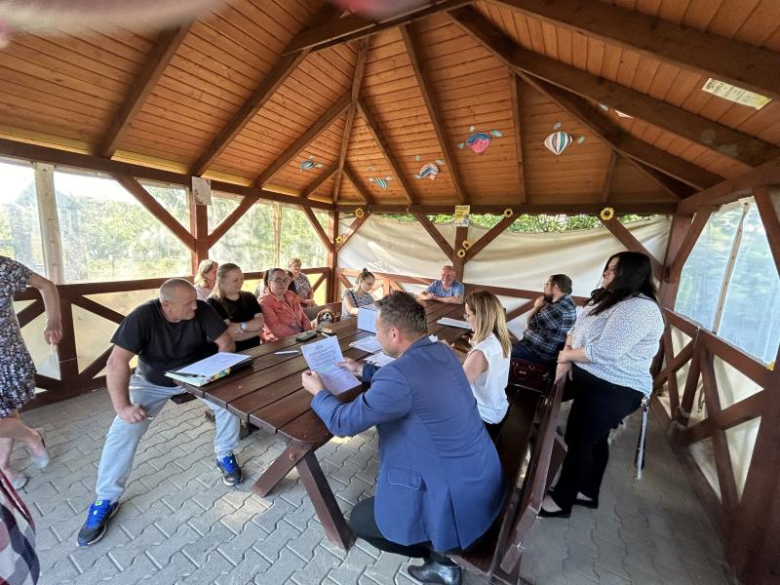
(549, 321)
(282, 309)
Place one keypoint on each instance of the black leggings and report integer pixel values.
(363, 524)
(598, 407)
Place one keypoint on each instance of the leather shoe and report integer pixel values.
(592, 504)
(433, 572)
(559, 514)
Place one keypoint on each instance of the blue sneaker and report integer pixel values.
(97, 522)
(231, 472)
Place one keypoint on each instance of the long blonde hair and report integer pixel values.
(204, 267)
(489, 317)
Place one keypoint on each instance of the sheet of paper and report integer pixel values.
(369, 344)
(366, 319)
(214, 364)
(446, 321)
(323, 357)
(379, 359)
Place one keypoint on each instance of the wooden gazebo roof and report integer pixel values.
(246, 93)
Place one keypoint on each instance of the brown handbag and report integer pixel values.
(528, 375)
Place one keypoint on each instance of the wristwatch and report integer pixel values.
(243, 327)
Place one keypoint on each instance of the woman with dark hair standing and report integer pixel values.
(607, 362)
(238, 308)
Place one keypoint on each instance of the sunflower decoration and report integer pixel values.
(466, 244)
(607, 213)
(508, 212)
(771, 366)
(359, 213)
(339, 239)
(461, 253)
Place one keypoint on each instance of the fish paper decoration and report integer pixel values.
(380, 181)
(428, 171)
(557, 142)
(479, 141)
(309, 164)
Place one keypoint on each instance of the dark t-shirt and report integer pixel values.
(239, 311)
(161, 345)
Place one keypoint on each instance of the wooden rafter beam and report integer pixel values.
(350, 231)
(357, 81)
(433, 231)
(168, 42)
(733, 189)
(351, 175)
(413, 51)
(698, 129)
(607, 185)
(674, 268)
(663, 208)
(304, 140)
(517, 106)
(491, 235)
(710, 55)
(768, 203)
(379, 138)
(315, 223)
(626, 238)
(259, 97)
(230, 220)
(33, 152)
(667, 183)
(158, 211)
(318, 181)
(503, 48)
(355, 26)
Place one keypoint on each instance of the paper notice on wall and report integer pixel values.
(461, 215)
(735, 94)
(201, 189)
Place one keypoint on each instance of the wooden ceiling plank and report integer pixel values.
(319, 180)
(158, 211)
(357, 81)
(593, 208)
(153, 68)
(434, 113)
(741, 64)
(515, 86)
(698, 129)
(373, 127)
(733, 189)
(350, 174)
(304, 140)
(354, 26)
(496, 42)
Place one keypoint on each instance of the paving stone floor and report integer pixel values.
(179, 524)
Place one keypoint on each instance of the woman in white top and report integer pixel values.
(606, 362)
(206, 278)
(487, 363)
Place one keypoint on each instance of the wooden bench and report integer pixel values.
(530, 424)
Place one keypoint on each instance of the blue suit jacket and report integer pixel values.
(440, 479)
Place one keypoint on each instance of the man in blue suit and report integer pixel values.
(440, 483)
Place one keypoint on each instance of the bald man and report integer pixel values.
(167, 333)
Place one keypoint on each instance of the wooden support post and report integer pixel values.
(435, 234)
(514, 91)
(333, 284)
(626, 238)
(231, 219)
(49, 222)
(686, 247)
(492, 234)
(768, 203)
(315, 223)
(667, 292)
(459, 264)
(199, 226)
(349, 232)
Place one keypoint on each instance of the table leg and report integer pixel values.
(321, 496)
(279, 469)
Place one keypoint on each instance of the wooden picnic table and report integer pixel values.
(269, 395)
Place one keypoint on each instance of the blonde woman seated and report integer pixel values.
(487, 363)
(358, 296)
(206, 278)
(282, 309)
(301, 282)
(237, 308)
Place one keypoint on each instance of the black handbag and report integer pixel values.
(528, 375)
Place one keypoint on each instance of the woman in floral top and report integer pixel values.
(17, 371)
(301, 282)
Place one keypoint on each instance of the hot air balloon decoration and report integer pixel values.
(479, 141)
(380, 181)
(557, 142)
(429, 170)
(309, 164)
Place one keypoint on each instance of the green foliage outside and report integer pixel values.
(528, 223)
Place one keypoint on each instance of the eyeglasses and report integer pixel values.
(281, 280)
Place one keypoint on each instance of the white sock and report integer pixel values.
(549, 505)
(582, 496)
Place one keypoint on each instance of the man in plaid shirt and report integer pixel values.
(549, 322)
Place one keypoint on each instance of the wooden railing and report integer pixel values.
(73, 379)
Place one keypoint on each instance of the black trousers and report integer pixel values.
(598, 406)
(363, 524)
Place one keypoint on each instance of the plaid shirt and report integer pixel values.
(547, 330)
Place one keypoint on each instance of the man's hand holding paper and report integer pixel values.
(323, 358)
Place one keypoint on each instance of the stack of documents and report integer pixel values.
(369, 344)
(212, 368)
(447, 322)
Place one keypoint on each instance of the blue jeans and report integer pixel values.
(122, 440)
(521, 351)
